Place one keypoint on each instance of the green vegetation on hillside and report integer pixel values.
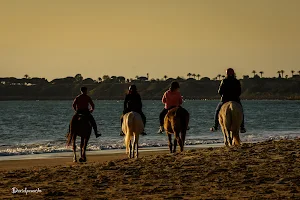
(116, 87)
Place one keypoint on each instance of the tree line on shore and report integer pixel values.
(115, 87)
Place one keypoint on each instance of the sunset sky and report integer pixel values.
(59, 38)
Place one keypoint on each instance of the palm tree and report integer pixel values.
(99, 79)
(165, 76)
(282, 71)
(26, 76)
(286, 76)
(292, 72)
(254, 73)
(261, 73)
(148, 76)
(189, 74)
(78, 78)
(194, 75)
(219, 76)
(223, 76)
(137, 77)
(198, 76)
(279, 74)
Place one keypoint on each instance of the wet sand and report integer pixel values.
(267, 170)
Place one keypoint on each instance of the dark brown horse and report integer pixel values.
(79, 126)
(176, 122)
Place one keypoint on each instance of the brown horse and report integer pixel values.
(230, 119)
(176, 121)
(79, 126)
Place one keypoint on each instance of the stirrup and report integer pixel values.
(97, 134)
(161, 130)
(121, 133)
(143, 133)
(214, 128)
(242, 130)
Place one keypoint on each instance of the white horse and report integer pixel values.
(230, 119)
(132, 127)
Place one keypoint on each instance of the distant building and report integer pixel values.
(142, 78)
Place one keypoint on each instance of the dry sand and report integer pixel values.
(267, 170)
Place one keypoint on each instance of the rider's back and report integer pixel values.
(230, 89)
(133, 102)
(82, 102)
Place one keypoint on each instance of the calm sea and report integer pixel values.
(35, 127)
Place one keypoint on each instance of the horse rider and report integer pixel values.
(171, 99)
(230, 90)
(133, 102)
(81, 106)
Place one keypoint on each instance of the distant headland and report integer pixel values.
(115, 87)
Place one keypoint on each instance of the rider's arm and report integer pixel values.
(180, 98)
(239, 88)
(125, 103)
(91, 103)
(221, 89)
(74, 104)
(140, 102)
(164, 98)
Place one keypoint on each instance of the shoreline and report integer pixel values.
(65, 158)
(52, 155)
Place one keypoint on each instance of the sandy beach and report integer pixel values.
(266, 170)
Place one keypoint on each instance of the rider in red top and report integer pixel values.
(83, 104)
(171, 98)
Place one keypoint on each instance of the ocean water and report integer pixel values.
(37, 127)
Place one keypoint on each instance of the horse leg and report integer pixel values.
(133, 145)
(175, 145)
(236, 138)
(229, 135)
(225, 135)
(137, 149)
(183, 134)
(81, 148)
(170, 142)
(130, 149)
(136, 146)
(84, 149)
(179, 142)
(74, 149)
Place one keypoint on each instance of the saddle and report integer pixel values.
(80, 116)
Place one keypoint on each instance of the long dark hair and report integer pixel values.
(132, 89)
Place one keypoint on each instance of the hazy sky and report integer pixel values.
(59, 38)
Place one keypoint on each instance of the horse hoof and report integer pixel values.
(74, 161)
(82, 160)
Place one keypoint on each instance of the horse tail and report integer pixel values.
(184, 117)
(128, 120)
(71, 136)
(237, 116)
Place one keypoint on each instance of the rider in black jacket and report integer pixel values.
(230, 90)
(133, 102)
